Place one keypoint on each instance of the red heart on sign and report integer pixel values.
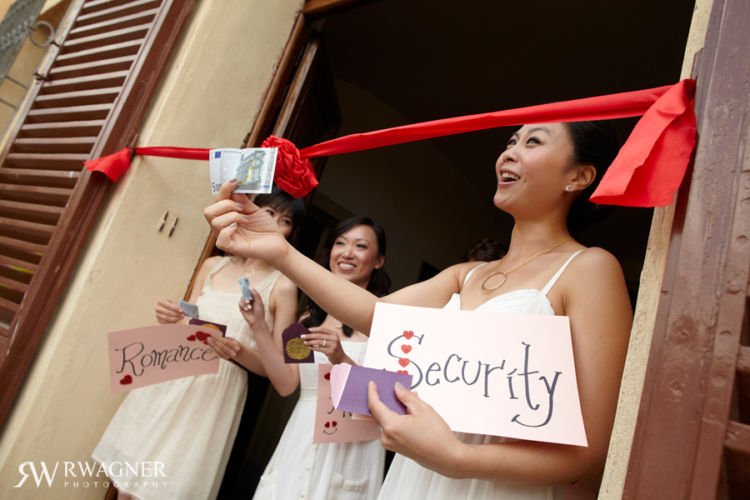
(403, 362)
(408, 334)
(403, 371)
(191, 337)
(406, 348)
(201, 336)
(127, 379)
(333, 424)
(327, 376)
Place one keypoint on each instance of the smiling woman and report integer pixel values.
(355, 254)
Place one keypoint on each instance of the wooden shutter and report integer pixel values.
(94, 87)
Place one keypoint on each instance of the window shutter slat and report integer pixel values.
(62, 161)
(104, 52)
(33, 212)
(97, 11)
(106, 25)
(93, 67)
(69, 113)
(17, 265)
(35, 177)
(135, 33)
(54, 145)
(113, 79)
(89, 102)
(62, 129)
(78, 98)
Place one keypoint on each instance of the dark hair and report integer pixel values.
(284, 202)
(485, 250)
(594, 143)
(379, 284)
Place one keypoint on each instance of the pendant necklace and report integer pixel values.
(504, 274)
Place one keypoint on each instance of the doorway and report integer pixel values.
(394, 63)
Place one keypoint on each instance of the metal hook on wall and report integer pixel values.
(163, 222)
(174, 225)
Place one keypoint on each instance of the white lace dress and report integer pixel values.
(407, 479)
(188, 424)
(300, 469)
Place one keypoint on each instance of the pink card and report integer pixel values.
(337, 426)
(149, 355)
(349, 388)
(485, 372)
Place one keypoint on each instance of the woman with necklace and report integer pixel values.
(188, 425)
(544, 174)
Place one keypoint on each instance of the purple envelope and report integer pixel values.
(295, 350)
(208, 324)
(349, 388)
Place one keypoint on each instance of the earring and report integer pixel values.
(569, 188)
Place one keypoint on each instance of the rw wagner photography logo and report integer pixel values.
(90, 474)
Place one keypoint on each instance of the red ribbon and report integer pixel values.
(646, 173)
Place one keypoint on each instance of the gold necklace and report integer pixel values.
(504, 274)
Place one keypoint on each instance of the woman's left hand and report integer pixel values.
(421, 434)
(327, 341)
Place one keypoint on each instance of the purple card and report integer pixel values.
(208, 324)
(349, 388)
(295, 350)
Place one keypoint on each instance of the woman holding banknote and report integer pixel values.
(354, 251)
(544, 178)
(189, 424)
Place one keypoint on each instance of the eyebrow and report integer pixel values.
(356, 240)
(531, 131)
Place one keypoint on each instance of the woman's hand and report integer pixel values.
(421, 434)
(225, 348)
(244, 228)
(167, 312)
(255, 313)
(327, 341)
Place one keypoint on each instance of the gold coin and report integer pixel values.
(296, 349)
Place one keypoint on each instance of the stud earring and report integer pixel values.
(569, 188)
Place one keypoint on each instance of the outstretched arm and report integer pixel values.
(250, 232)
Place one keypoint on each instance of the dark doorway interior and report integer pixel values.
(396, 62)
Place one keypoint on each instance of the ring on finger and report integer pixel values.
(325, 342)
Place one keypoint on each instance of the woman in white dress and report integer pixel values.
(355, 251)
(187, 426)
(544, 171)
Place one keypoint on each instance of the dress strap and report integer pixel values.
(218, 267)
(554, 278)
(471, 271)
(269, 282)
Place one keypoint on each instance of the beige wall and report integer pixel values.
(648, 297)
(209, 98)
